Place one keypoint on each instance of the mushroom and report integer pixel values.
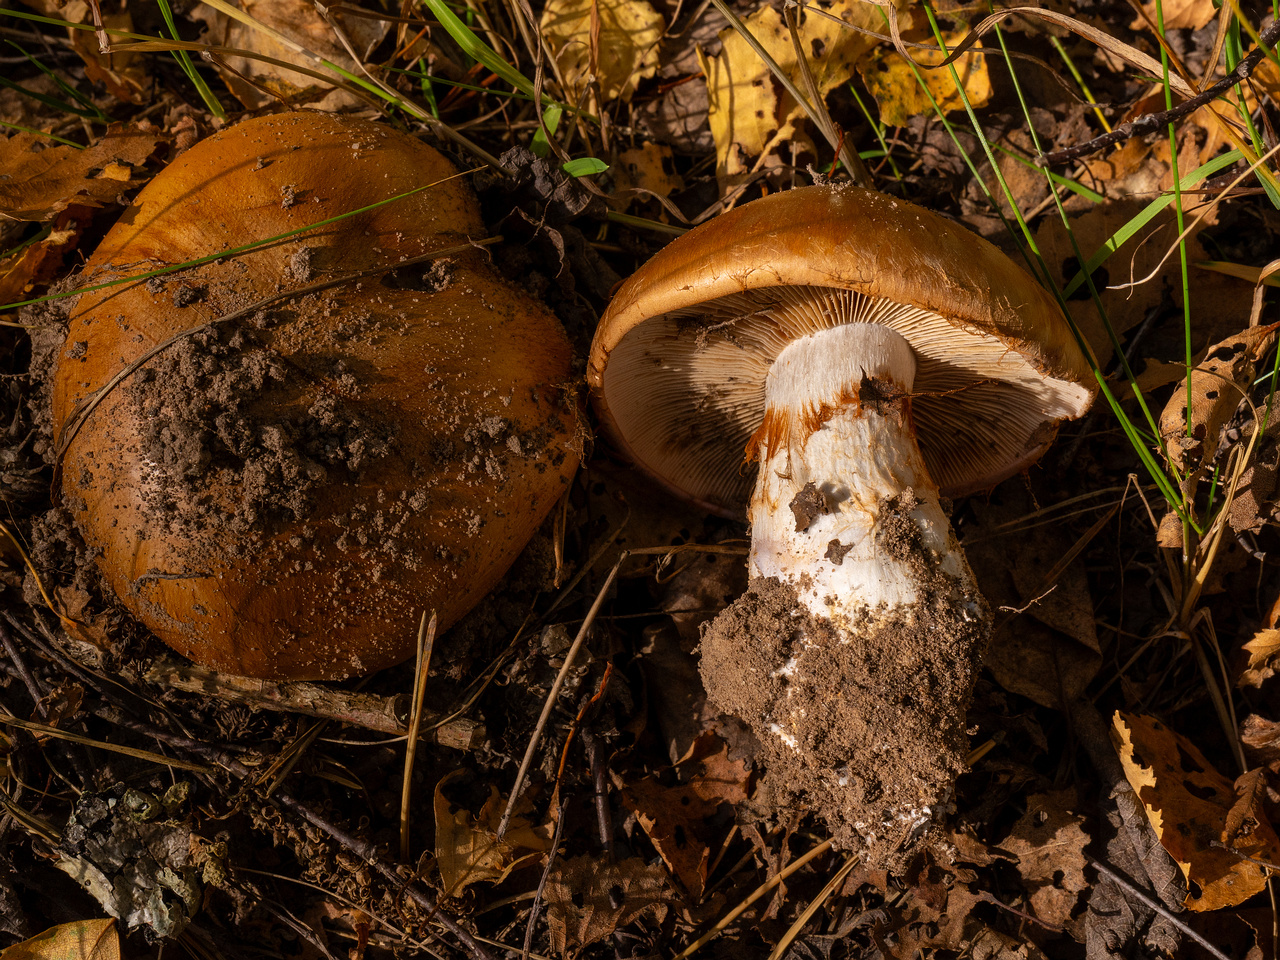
(285, 495)
(871, 358)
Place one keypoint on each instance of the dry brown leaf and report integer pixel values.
(1263, 650)
(124, 75)
(1220, 305)
(1217, 384)
(893, 83)
(79, 940)
(1189, 803)
(40, 261)
(1049, 843)
(1261, 738)
(467, 847)
(588, 899)
(1254, 503)
(624, 52)
(938, 913)
(675, 817)
(299, 21)
(678, 114)
(1243, 816)
(44, 180)
(748, 110)
(1046, 642)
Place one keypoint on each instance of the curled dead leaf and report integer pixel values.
(467, 846)
(1263, 650)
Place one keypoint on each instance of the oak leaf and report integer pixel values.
(1197, 813)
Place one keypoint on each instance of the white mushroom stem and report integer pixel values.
(837, 453)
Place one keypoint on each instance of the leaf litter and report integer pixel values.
(641, 830)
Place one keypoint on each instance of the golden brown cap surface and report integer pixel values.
(678, 364)
(284, 496)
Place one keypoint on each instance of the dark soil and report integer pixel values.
(219, 411)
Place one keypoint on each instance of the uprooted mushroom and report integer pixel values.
(871, 358)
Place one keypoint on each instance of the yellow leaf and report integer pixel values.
(468, 849)
(625, 50)
(1188, 803)
(1263, 650)
(1179, 14)
(80, 940)
(890, 79)
(647, 167)
(747, 110)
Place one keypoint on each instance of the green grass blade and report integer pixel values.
(41, 133)
(189, 68)
(1145, 216)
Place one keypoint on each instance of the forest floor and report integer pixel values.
(1123, 766)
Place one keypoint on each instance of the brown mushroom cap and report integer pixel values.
(284, 497)
(679, 361)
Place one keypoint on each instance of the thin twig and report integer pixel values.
(1155, 905)
(20, 664)
(542, 883)
(1152, 122)
(554, 693)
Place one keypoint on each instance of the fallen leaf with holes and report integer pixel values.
(676, 817)
(894, 84)
(1195, 811)
(1215, 386)
(1219, 304)
(79, 940)
(42, 181)
(1049, 843)
(1045, 645)
(1264, 658)
(1177, 14)
(588, 899)
(749, 111)
(611, 42)
(649, 167)
(257, 83)
(467, 847)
